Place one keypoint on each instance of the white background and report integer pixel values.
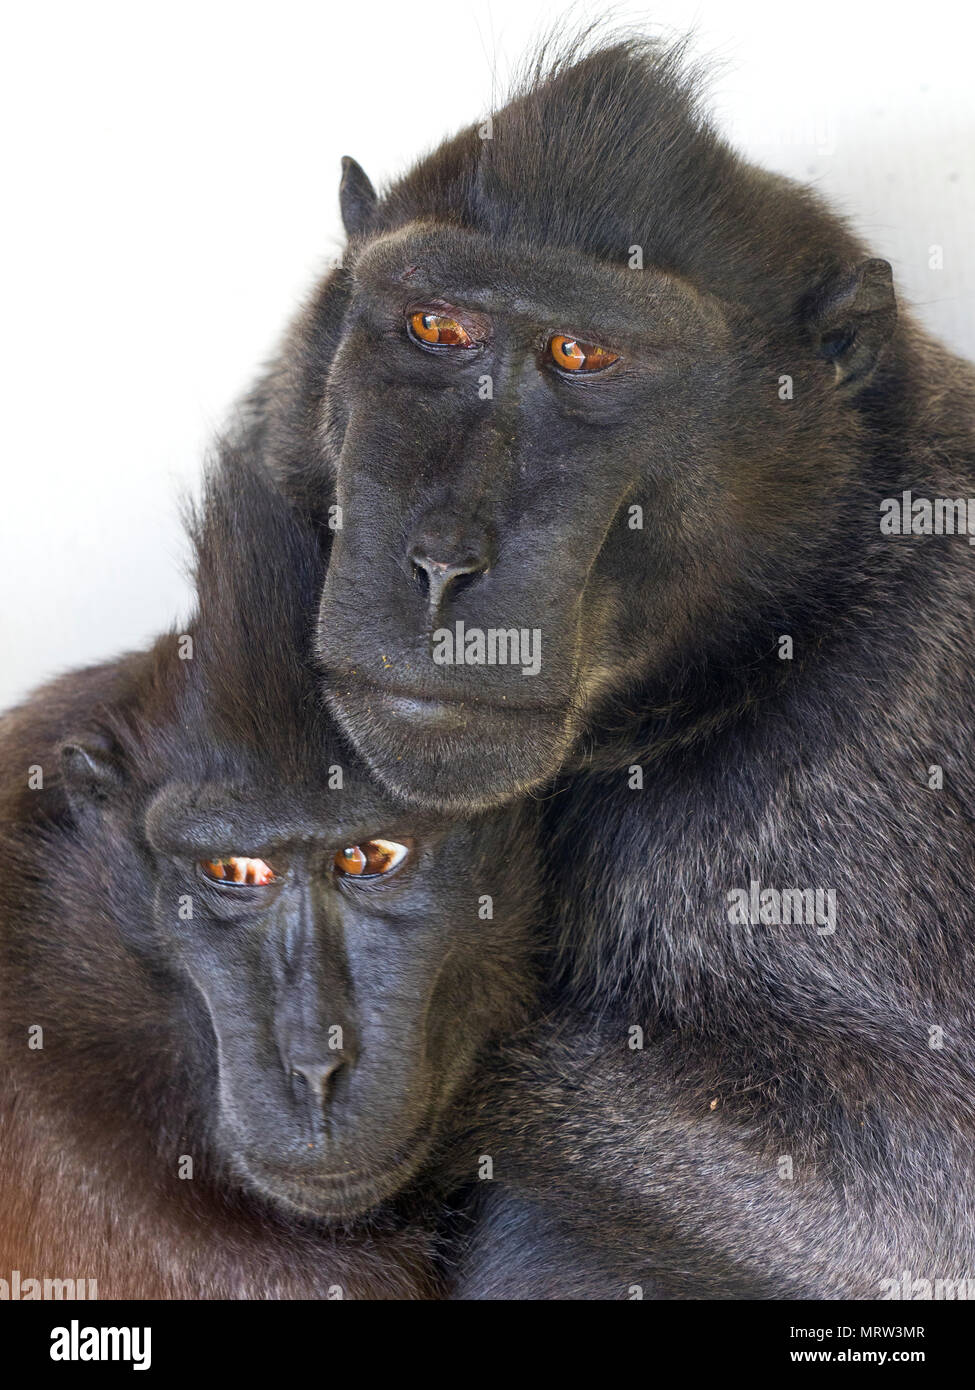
(169, 179)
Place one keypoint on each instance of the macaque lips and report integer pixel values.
(237, 869)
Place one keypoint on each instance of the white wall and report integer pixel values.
(169, 174)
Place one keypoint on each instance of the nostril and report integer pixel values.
(441, 579)
(421, 579)
(463, 579)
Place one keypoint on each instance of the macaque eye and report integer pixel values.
(439, 330)
(238, 869)
(371, 859)
(573, 356)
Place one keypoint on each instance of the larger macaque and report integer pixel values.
(241, 986)
(587, 376)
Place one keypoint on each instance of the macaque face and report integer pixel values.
(517, 438)
(560, 481)
(345, 960)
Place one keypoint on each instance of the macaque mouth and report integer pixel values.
(422, 704)
(336, 1195)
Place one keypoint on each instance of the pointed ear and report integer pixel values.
(357, 197)
(852, 315)
(91, 771)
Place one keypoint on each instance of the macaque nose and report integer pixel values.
(441, 579)
(316, 1077)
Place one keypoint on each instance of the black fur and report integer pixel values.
(847, 1054)
(208, 1037)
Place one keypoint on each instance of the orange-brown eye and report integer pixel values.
(573, 356)
(440, 330)
(371, 859)
(238, 869)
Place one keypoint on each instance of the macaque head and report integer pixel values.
(342, 960)
(586, 417)
(331, 961)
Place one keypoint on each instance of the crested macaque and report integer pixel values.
(241, 985)
(599, 385)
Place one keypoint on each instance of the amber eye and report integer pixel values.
(238, 869)
(573, 356)
(439, 330)
(371, 859)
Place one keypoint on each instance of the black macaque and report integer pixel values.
(588, 380)
(241, 985)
